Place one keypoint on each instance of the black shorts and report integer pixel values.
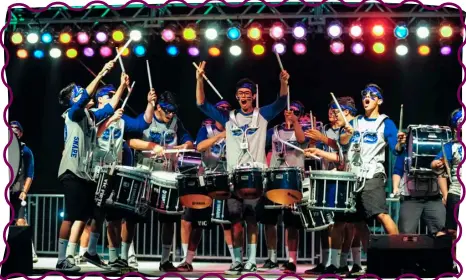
(450, 222)
(79, 197)
(351, 218)
(168, 219)
(371, 201)
(20, 211)
(112, 215)
(291, 219)
(199, 218)
(242, 210)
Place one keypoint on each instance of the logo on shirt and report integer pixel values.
(238, 131)
(107, 132)
(75, 147)
(167, 137)
(367, 138)
(216, 150)
(66, 132)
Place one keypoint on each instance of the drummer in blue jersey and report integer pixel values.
(165, 131)
(284, 156)
(246, 131)
(210, 142)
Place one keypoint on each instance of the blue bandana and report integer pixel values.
(250, 86)
(352, 110)
(456, 118)
(168, 107)
(17, 124)
(77, 91)
(372, 91)
(106, 90)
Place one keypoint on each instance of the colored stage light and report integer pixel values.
(17, 38)
(378, 30)
(189, 34)
(234, 33)
(279, 48)
(32, 38)
(172, 50)
(193, 51)
(357, 48)
(125, 51)
(47, 38)
(55, 52)
(401, 31)
(277, 31)
(105, 51)
(356, 31)
(118, 36)
(82, 38)
(299, 31)
(299, 48)
(214, 51)
(235, 50)
(65, 38)
(446, 31)
(71, 53)
(101, 37)
(168, 35)
(39, 54)
(135, 35)
(211, 33)
(445, 50)
(402, 50)
(22, 53)
(139, 50)
(258, 49)
(255, 32)
(424, 50)
(89, 52)
(379, 48)
(337, 47)
(334, 30)
(422, 32)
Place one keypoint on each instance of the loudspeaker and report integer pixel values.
(20, 258)
(422, 255)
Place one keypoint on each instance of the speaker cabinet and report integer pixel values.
(20, 258)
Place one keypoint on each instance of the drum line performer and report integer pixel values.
(283, 156)
(165, 131)
(246, 131)
(210, 142)
(20, 188)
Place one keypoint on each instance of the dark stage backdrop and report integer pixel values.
(425, 85)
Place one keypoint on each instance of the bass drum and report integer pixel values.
(14, 156)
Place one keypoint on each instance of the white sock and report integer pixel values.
(252, 253)
(190, 256)
(335, 255)
(293, 257)
(238, 255)
(93, 240)
(62, 246)
(356, 253)
(165, 253)
(344, 259)
(124, 250)
(112, 254)
(71, 249)
(185, 250)
(82, 250)
(232, 253)
(287, 252)
(325, 258)
(33, 249)
(273, 255)
(131, 251)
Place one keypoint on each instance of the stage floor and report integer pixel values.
(151, 268)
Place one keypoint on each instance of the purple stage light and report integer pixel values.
(89, 52)
(101, 37)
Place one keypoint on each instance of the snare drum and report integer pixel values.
(315, 220)
(165, 199)
(193, 191)
(284, 185)
(332, 190)
(424, 143)
(249, 182)
(125, 188)
(189, 162)
(218, 185)
(220, 212)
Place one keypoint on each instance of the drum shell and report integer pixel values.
(248, 183)
(192, 193)
(218, 185)
(284, 185)
(220, 214)
(165, 196)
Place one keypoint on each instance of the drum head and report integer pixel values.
(164, 179)
(14, 155)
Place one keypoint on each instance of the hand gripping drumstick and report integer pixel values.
(339, 108)
(312, 119)
(121, 63)
(119, 53)
(127, 96)
(281, 67)
(296, 148)
(208, 81)
(401, 118)
(150, 79)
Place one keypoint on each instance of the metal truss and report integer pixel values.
(153, 19)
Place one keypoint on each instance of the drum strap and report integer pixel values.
(173, 123)
(244, 140)
(210, 131)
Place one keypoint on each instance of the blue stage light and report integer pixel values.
(172, 50)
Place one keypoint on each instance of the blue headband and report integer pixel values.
(248, 86)
(352, 110)
(17, 124)
(106, 90)
(372, 90)
(456, 118)
(223, 102)
(168, 106)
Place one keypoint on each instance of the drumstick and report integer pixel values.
(279, 61)
(23, 203)
(119, 54)
(401, 118)
(257, 96)
(288, 98)
(208, 81)
(121, 63)
(339, 108)
(127, 96)
(312, 119)
(150, 79)
(296, 148)
(172, 151)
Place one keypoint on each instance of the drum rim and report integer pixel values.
(249, 169)
(329, 172)
(285, 168)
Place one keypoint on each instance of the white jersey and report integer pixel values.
(283, 155)
(109, 148)
(213, 158)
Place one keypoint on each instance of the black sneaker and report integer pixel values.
(167, 267)
(289, 268)
(235, 269)
(283, 265)
(319, 269)
(184, 267)
(95, 260)
(268, 265)
(118, 264)
(343, 271)
(66, 266)
(331, 269)
(249, 268)
(356, 270)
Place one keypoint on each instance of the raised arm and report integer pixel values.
(200, 94)
(151, 100)
(124, 82)
(92, 87)
(291, 118)
(116, 116)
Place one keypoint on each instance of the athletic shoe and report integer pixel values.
(184, 267)
(78, 260)
(343, 271)
(319, 269)
(356, 270)
(331, 269)
(167, 267)
(289, 268)
(66, 266)
(283, 265)
(235, 269)
(118, 264)
(35, 259)
(268, 265)
(249, 268)
(95, 260)
(133, 261)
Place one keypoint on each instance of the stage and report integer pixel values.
(151, 269)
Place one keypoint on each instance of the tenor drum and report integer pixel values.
(332, 191)
(218, 185)
(424, 143)
(165, 199)
(14, 157)
(189, 162)
(193, 191)
(249, 182)
(284, 185)
(125, 188)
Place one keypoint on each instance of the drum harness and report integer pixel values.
(210, 133)
(244, 144)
